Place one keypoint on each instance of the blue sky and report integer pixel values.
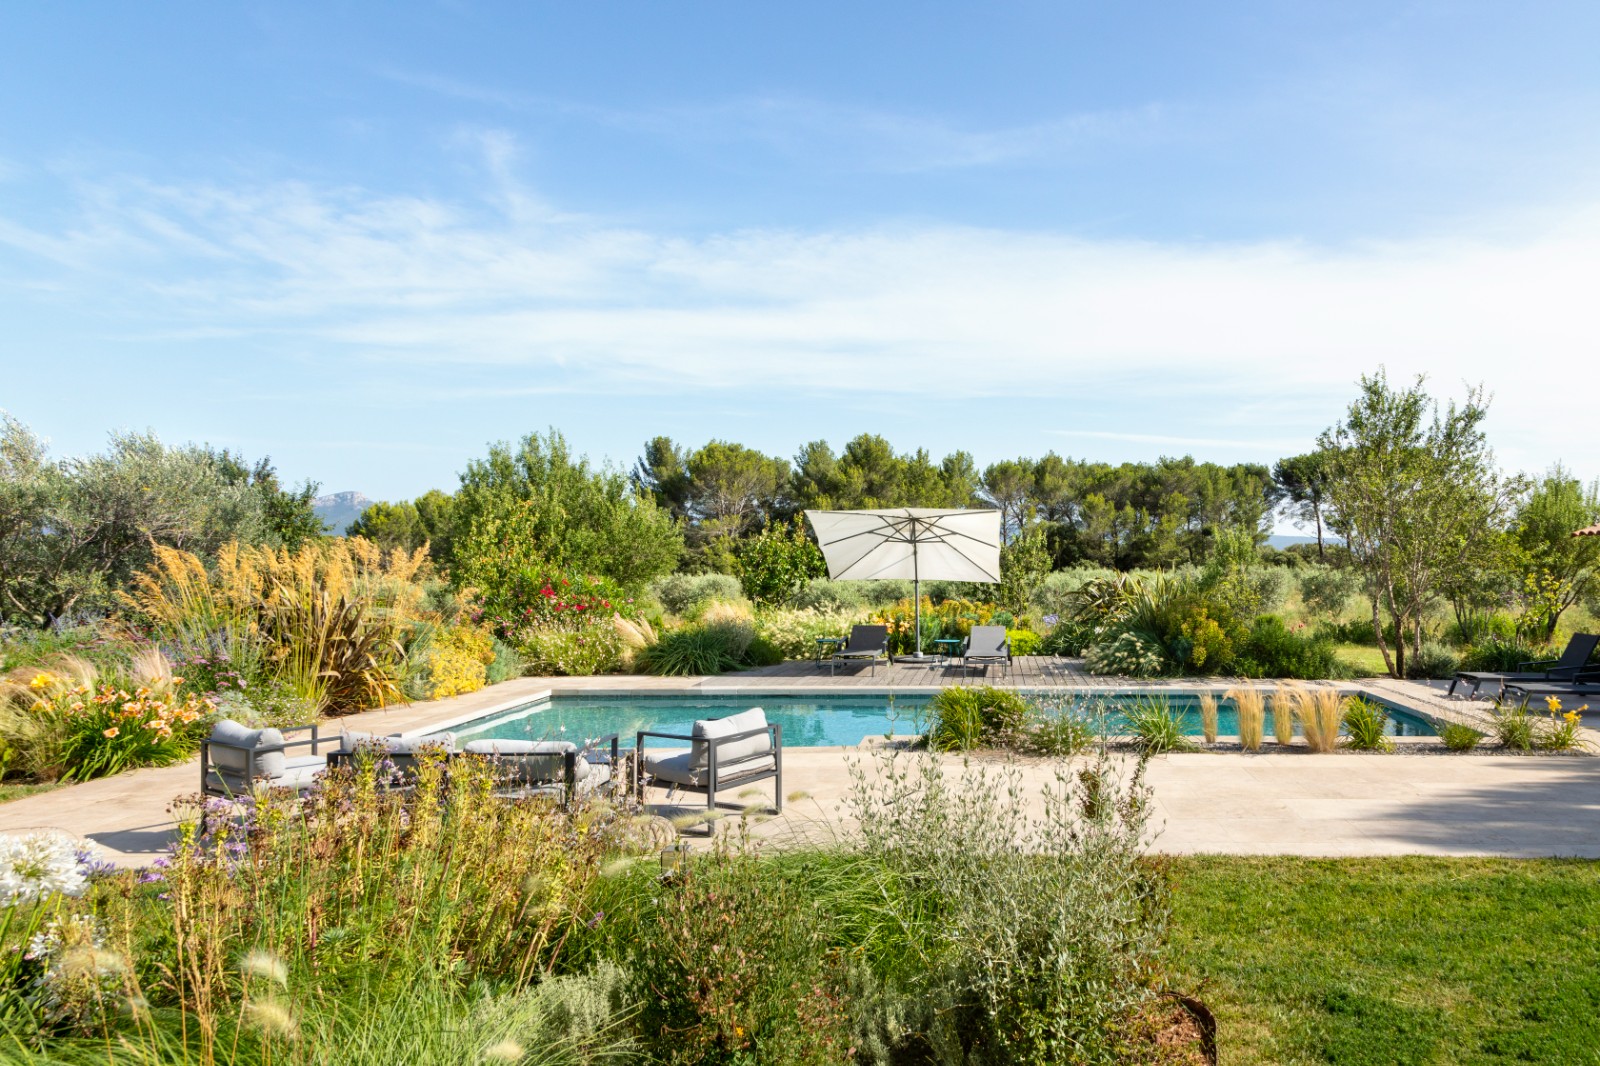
(367, 240)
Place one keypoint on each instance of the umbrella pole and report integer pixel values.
(916, 596)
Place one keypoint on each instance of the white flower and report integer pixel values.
(39, 864)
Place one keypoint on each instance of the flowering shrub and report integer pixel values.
(562, 621)
(1562, 732)
(458, 661)
(108, 728)
(795, 633)
(596, 649)
(1131, 654)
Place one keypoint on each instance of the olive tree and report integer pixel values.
(1559, 569)
(1413, 489)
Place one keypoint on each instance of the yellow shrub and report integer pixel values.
(458, 661)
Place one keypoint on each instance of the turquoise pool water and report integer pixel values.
(808, 721)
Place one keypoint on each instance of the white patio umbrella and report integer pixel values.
(910, 543)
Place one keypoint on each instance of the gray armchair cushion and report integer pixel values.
(398, 745)
(532, 762)
(231, 762)
(678, 767)
(749, 747)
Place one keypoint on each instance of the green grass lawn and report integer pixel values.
(1393, 961)
(11, 792)
(1366, 660)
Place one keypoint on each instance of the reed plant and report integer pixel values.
(1287, 701)
(1321, 715)
(1252, 711)
(1208, 717)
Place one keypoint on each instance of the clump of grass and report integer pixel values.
(965, 718)
(1157, 728)
(1321, 715)
(1286, 702)
(1513, 727)
(1208, 717)
(1364, 722)
(1458, 737)
(1252, 715)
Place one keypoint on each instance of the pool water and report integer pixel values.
(812, 721)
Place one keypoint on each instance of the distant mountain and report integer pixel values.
(1283, 540)
(339, 509)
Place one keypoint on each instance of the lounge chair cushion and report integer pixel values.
(533, 761)
(738, 750)
(397, 745)
(232, 762)
(678, 767)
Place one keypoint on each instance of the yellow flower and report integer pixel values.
(1571, 716)
(110, 733)
(1552, 702)
(40, 680)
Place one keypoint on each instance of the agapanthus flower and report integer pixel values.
(38, 864)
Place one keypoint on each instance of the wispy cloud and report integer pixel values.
(471, 288)
(830, 134)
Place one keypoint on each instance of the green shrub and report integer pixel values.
(1024, 641)
(822, 594)
(1046, 945)
(508, 663)
(763, 652)
(1478, 627)
(1503, 654)
(1066, 637)
(1271, 650)
(693, 651)
(1157, 728)
(964, 718)
(1458, 737)
(1326, 590)
(778, 562)
(1364, 722)
(580, 653)
(682, 593)
(796, 632)
(1130, 654)
(1436, 661)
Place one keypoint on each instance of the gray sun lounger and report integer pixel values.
(987, 646)
(1574, 660)
(1582, 686)
(867, 644)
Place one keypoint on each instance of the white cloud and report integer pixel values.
(1276, 329)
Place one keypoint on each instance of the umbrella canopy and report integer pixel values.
(910, 543)
(1589, 531)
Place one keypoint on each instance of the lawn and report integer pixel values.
(1386, 961)
(1365, 659)
(10, 792)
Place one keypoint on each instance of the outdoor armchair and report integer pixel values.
(1573, 660)
(987, 646)
(723, 753)
(554, 768)
(866, 644)
(234, 759)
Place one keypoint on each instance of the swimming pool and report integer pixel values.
(814, 721)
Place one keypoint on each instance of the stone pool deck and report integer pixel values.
(1272, 802)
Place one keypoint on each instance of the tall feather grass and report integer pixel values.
(1286, 703)
(1208, 717)
(1321, 714)
(1252, 715)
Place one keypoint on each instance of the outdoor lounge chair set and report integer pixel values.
(1573, 675)
(235, 759)
(985, 646)
(723, 753)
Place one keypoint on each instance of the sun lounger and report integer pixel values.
(867, 644)
(1573, 659)
(987, 646)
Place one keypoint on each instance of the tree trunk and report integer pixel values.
(1377, 629)
(1321, 558)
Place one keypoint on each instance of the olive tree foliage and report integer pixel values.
(409, 525)
(1413, 489)
(572, 515)
(73, 531)
(1558, 570)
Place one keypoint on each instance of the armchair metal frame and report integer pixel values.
(251, 755)
(569, 762)
(714, 781)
